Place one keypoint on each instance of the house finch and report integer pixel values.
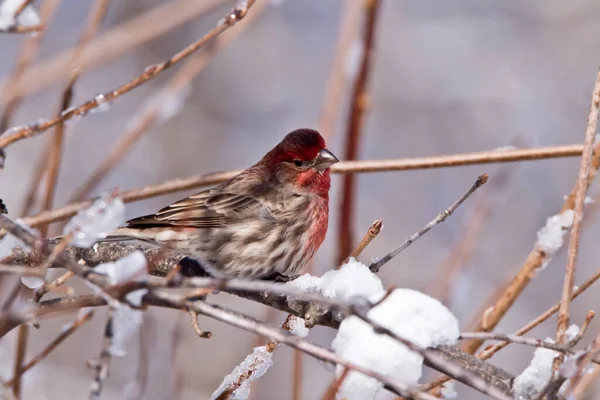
(269, 220)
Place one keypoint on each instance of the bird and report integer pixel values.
(267, 221)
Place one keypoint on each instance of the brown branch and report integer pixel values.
(24, 29)
(110, 44)
(332, 101)
(481, 180)
(19, 133)
(335, 386)
(371, 234)
(580, 192)
(466, 244)
(27, 54)
(148, 115)
(22, 337)
(535, 260)
(195, 182)
(64, 335)
(359, 104)
(281, 336)
(279, 296)
(96, 16)
(489, 352)
(532, 342)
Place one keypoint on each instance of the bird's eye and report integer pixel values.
(298, 163)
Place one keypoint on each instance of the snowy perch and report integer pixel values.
(161, 263)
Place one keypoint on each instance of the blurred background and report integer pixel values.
(448, 77)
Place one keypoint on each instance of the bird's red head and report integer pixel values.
(302, 160)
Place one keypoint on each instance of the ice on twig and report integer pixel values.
(537, 375)
(95, 222)
(410, 314)
(253, 367)
(102, 103)
(8, 18)
(588, 200)
(551, 237)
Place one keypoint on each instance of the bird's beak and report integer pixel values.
(325, 159)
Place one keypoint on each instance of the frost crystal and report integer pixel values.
(8, 9)
(256, 364)
(132, 266)
(103, 104)
(94, 223)
(537, 375)
(551, 237)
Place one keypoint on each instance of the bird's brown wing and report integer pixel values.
(209, 209)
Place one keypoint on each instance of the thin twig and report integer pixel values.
(332, 100)
(335, 386)
(64, 335)
(371, 234)
(359, 103)
(19, 133)
(532, 342)
(464, 247)
(27, 54)
(22, 338)
(583, 362)
(96, 16)
(109, 45)
(481, 180)
(584, 327)
(251, 325)
(535, 260)
(196, 326)
(24, 29)
(148, 114)
(581, 188)
(490, 351)
(49, 286)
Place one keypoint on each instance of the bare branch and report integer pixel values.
(580, 192)
(20, 133)
(481, 180)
